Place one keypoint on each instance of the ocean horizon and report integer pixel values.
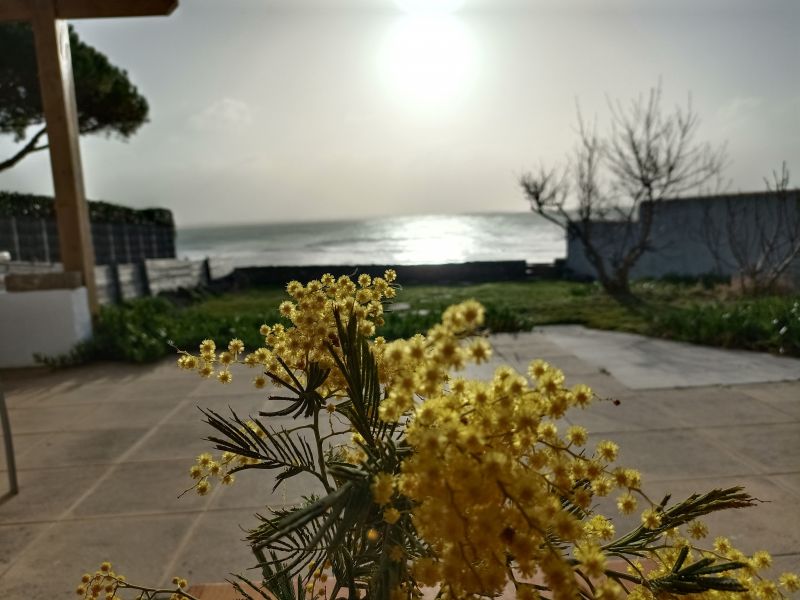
(397, 240)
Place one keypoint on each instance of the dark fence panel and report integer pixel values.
(36, 240)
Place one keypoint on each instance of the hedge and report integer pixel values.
(15, 204)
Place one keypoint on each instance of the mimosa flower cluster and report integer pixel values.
(433, 479)
(105, 584)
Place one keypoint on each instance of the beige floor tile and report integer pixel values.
(73, 448)
(51, 566)
(143, 488)
(775, 447)
(45, 494)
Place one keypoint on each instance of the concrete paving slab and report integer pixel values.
(674, 454)
(218, 529)
(631, 413)
(765, 526)
(13, 539)
(51, 566)
(784, 397)
(640, 362)
(527, 346)
(782, 563)
(776, 452)
(706, 406)
(89, 417)
(223, 403)
(149, 487)
(180, 441)
(790, 482)
(252, 489)
(73, 448)
(44, 494)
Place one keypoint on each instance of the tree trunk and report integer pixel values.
(619, 288)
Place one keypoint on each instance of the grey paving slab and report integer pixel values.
(143, 487)
(790, 482)
(242, 404)
(217, 529)
(527, 346)
(631, 413)
(89, 417)
(771, 525)
(712, 406)
(775, 448)
(640, 362)
(674, 454)
(44, 494)
(14, 539)
(253, 489)
(138, 547)
(782, 563)
(73, 448)
(176, 440)
(784, 397)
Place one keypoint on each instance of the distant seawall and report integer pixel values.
(469, 272)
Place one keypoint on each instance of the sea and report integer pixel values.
(397, 240)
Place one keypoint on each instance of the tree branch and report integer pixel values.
(28, 148)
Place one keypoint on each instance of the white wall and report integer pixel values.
(48, 322)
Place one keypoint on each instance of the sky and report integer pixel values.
(298, 110)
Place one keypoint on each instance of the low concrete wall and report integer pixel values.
(471, 272)
(48, 322)
(8, 268)
(119, 282)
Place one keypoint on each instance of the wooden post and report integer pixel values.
(61, 115)
(58, 100)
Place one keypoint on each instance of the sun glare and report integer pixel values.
(436, 239)
(429, 7)
(428, 57)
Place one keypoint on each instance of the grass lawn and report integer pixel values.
(521, 304)
(142, 329)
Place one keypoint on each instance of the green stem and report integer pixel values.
(323, 471)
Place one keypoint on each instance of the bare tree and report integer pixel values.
(607, 195)
(756, 237)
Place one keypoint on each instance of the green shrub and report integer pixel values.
(765, 324)
(146, 329)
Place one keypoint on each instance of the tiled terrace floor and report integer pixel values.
(103, 453)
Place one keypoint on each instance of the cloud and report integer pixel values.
(225, 113)
(739, 108)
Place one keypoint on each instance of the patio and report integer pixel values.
(103, 452)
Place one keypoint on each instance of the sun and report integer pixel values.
(428, 7)
(428, 56)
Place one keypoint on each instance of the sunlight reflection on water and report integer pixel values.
(435, 240)
(424, 239)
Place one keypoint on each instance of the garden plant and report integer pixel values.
(434, 484)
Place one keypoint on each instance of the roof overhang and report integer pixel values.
(22, 10)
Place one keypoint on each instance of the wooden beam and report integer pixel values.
(58, 99)
(15, 10)
(22, 10)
